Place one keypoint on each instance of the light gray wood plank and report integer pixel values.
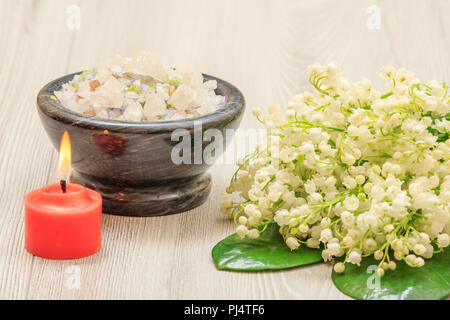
(263, 47)
(26, 38)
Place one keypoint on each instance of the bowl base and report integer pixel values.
(152, 199)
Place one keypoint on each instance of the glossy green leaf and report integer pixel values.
(268, 252)
(432, 281)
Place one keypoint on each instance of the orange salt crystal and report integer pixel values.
(92, 113)
(94, 84)
(171, 90)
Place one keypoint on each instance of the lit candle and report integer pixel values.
(63, 220)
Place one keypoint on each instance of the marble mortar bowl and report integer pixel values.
(130, 163)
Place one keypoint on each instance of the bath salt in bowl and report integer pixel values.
(126, 157)
(140, 89)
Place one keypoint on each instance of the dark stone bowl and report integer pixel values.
(130, 163)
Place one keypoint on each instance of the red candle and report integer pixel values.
(63, 220)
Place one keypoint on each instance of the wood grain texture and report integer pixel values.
(263, 47)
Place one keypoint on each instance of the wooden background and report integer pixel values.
(263, 47)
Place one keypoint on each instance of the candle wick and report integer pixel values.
(63, 185)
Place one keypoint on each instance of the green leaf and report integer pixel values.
(432, 281)
(331, 142)
(437, 117)
(442, 136)
(384, 96)
(397, 129)
(268, 252)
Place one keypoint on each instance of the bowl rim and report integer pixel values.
(233, 107)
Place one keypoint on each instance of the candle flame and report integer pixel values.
(65, 157)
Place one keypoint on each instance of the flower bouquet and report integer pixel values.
(353, 176)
